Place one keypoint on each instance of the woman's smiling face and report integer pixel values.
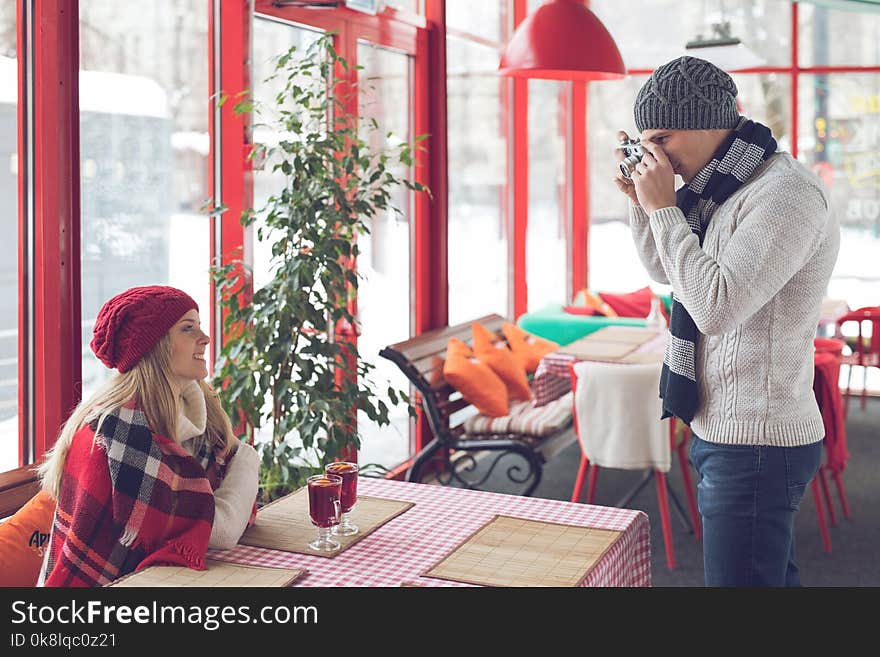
(188, 345)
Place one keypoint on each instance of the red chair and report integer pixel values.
(866, 352)
(827, 390)
(659, 476)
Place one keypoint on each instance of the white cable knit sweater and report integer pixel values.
(234, 498)
(754, 290)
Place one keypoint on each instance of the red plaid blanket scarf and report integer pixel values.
(130, 499)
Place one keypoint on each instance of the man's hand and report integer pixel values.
(624, 184)
(654, 179)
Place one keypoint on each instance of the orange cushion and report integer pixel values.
(474, 379)
(503, 362)
(530, 348)
(436, 374)
(594, 302)
(23, 537)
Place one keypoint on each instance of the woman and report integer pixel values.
(148, 470)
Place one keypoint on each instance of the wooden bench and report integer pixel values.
(16, 488)
(453, 454)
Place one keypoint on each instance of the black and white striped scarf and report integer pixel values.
(749, 146)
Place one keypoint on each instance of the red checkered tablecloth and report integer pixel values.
(552, 378)
(408, 545)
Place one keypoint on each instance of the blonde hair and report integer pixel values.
(149, 385)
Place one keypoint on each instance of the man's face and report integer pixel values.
(688, 150)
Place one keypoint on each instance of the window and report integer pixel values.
(477, 154)
(9, 260)
(144, 154)
(383, 300)
(548, 224)
(838, 126)
(270, 39)
(838, 38)
(412, 6)
(839, 129)
(763, 27)
(614, 265)
(480, 19)
(766, 97)
(838, 134)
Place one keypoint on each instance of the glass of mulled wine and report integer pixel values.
(325, 492)
(349, 474)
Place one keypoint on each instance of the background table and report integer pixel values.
(442, 517)
(553, 379)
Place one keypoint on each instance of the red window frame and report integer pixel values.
(50, 374)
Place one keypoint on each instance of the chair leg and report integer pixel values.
(846, 396)
(663, 502)
(591, 489)
(581, 477)
(841, 494)
(689, 491)
(823, 483)
(864, 385)
(820, 516)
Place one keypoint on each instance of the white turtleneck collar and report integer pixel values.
(193, 416)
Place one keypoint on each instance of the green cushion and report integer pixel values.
(553, 323)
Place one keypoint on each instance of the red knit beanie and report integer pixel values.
(133, 322)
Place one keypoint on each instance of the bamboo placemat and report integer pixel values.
(593, 349)
(635, 335)
(219, 573)
(643, 357)
(509, 551)
(284, 524)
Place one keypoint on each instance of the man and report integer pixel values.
(748, 245)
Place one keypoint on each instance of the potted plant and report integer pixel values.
(284, 362)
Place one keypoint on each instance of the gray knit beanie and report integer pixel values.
(687, 94)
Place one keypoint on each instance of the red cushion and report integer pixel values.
(634, 304)
(579, 310)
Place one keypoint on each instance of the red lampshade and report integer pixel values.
(562, 40)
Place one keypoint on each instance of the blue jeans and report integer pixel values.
(748, 496)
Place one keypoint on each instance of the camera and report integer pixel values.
(633, 153)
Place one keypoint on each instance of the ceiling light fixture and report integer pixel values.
(562, 40)
(722, 48)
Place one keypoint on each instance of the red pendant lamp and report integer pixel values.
(562, 40)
